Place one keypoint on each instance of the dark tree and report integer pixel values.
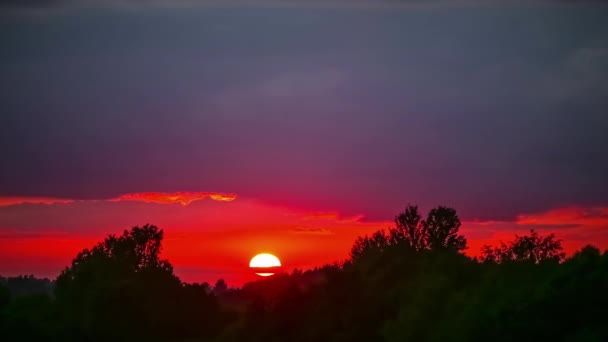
(5, 295)
(220, 286)
(441, 230)
(408, 229)
(438, 232)
(376, 243)
(29, 285)
(528, 248)
(588, 253)
(121, 288)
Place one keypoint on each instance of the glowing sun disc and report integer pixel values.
(265, 260)
(265, 274)
(264, 263)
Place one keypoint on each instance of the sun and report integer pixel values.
(264, 264)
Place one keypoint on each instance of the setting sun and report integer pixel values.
(264, 262)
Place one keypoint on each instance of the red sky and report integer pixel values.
(213, 235)
(293, 129)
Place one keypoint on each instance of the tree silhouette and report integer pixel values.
(28, 284)
(118, 279)
(376, 243)
(438, 232)
(5, 295)
(441, 230)
(408, 229)
(220, 286)
(527, 248)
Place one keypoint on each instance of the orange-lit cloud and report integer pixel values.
(332, 216)
(572, 216)
(316, 216)
(184, 197)
(312, 230)
(5, 201)
(222, 197)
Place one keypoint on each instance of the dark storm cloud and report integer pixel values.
(49, 4)
(31, 3)
(496, 111)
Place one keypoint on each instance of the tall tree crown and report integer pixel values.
(439, 231)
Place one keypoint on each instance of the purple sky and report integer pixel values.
(496, 109)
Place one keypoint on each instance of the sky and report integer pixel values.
(292, 127)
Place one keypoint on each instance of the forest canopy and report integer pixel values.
(410, 282)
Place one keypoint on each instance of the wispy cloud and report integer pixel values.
(333, 216)
(326, 216)
(312, 231)
(6, 201)
(572, 216)
(183, 197)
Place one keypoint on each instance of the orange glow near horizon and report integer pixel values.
(208, 240)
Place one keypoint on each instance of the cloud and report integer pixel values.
(6, 201)
(312, 230)
(327, 216)
(184, 198)
(333, 216)
(566, 220)
(388, 135)
(30, 233)
(567, 217)
(53, 4)
(32, 3)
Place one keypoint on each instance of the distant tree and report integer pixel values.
(205, 286)
(527, 248)
(493, 254)
(441, 230)
(23, 285)
(587, 253)
(220, 286)
(409, 229)
(377, 242)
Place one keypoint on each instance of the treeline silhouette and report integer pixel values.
(411, 282)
